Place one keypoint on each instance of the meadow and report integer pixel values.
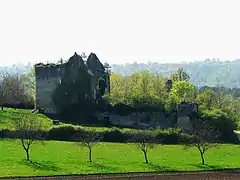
(59, 157)
(56, 158)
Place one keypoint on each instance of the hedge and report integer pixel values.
(65, 133)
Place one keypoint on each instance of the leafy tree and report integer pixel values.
(206, 99)
(183, 91)
(222, 122)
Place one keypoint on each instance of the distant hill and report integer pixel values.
(203, 73)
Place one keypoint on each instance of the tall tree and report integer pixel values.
(183, 91)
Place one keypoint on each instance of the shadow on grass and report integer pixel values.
(156, 167)
(207, 166)
(102, 167)
(43, 165)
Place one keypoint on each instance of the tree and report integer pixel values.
(180, 75)
(14, 89)
(144, 142)
(29, 84)
(204, 136)
(206, 98)
(30, 131)
(88, 140)
(3, 89)
(183, 91)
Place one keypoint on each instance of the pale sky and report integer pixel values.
(119, 31)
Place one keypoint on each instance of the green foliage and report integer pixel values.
(183, 91)
(63, 133)
(226, 125)
(206, 99)
(180, 75)
(140, 87)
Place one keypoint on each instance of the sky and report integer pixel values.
(119, 31)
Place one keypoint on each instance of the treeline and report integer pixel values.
(203, 73)
(221, 108)
(17, 91)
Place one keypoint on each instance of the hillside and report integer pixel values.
(202, 73)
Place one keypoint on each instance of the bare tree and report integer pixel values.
(88, 140)
(3, 89)
(30, 131)
(144, 142)
(12, 89)
(16, 89)
(204, 137)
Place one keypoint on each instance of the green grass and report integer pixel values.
(6, 117)
(57, 158)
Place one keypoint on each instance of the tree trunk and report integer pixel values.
(202, 157)
(27, 154)
(90, 154)
(145, 156)
(2, 107)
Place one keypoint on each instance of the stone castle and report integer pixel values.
(48, 76)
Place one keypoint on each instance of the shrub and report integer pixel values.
(115, 135)
(62, 133)
(222, 122)
(169, 136)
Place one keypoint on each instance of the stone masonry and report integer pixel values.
(49, 75)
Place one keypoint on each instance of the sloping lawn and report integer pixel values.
(55, 158)
(6, 117)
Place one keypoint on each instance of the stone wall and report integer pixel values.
(46, 82)
(183, 111)
(138, 120)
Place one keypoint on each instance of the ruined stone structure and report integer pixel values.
(183, 111)
(49, 75)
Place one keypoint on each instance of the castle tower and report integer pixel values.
(47, 77)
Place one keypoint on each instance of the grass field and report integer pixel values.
(57, 158)
(6, 117)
